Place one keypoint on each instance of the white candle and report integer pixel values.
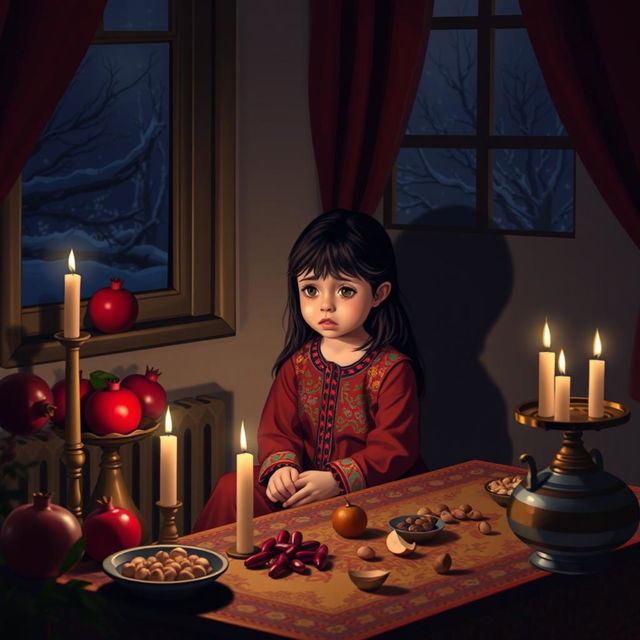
(168, 465)
(546, 372)
(72, 300)
(563, 392)
(244, 497)
(596, 380)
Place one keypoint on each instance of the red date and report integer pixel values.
(321, 556)
(296, 538)
(297, 566)
(257, 560)
(309, 545)
(305, 556)
(268, 545)
(279, 567)
(282, 536)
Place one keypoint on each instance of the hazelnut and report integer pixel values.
(156, 565)
(424, 511)
(137, 560)
(175, 566)
(459, 514)
(177, 552)
(185, 574)
(203, 562)
(366, 553)
(199, 571)
(193, 557)
(442, 563)
(447, 517)
(465, 507)
(157, 575)
(169, 574)
(162, 556)
(474, 514)
(128, 570)
(141, 573)
(439, 508)
(484, 527)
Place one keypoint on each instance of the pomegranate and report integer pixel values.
(349, 520)
(26, 403)
(59, 392)
(35, 538)
(113, 410)
(150, 392)
(113, 308)
(108, 529)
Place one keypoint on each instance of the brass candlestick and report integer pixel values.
(73, 456)
(168, 527)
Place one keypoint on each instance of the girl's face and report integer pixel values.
(338, 307)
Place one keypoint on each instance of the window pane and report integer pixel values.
(436, 187)
(98, 179)
(139, 15)
(523, 106)
(507, 7)
(455, 8)
(446, 100)
(533, 190)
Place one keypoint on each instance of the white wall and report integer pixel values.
(452, 280)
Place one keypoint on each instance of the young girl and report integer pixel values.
(342, 413)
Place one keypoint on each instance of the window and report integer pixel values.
(484, 148)
(136, 173)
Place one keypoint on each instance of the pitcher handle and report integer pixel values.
(531, 481)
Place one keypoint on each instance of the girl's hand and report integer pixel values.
(281, 484)
(312, 486)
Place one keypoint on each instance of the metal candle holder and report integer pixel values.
(573, 513)
(73, 456)
(168, 527)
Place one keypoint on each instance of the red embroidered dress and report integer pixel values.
(361, 422)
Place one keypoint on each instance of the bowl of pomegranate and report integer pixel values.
(165, 571)
(414, 528)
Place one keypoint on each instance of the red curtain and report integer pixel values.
(42, 43)
(589, 53)
(365, 62)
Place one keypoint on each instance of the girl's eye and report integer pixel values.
(309, 291)
(347, 292)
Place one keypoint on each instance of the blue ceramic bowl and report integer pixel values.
(112, 566)
(416, 536)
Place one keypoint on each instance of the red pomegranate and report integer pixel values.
(150, 392)
(113, 309)
(108, 529)
(35, 538)
(113, 410)
(59, 392)
(26, 403)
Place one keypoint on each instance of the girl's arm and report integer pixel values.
(279, 433)
(393, 445)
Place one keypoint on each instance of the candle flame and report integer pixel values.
(243, 437)
(72, 262)
(597, 345)
(546, 335)
(562, 365)
(168, 425)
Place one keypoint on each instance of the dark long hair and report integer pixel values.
(354, 244)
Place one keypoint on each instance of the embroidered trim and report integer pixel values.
(324, 439)
(275, 461)
(321, 364)
(351, 476)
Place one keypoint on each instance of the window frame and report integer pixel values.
(201, 302)
(484, 142)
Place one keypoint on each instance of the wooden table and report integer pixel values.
(492, 590)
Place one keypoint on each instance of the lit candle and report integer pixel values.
(546, 372)
(596, 380)
(168, 465)
(244, 497)
(563, 392)
(72, 300)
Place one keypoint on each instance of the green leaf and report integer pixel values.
(73, 555)
(100, 378)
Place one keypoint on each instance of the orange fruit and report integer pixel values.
(349, 520)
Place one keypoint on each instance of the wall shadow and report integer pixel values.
(455, 286)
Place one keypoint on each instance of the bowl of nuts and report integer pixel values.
(417, 528)
(500, 489)
(164, 571)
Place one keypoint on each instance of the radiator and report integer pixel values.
(199, 422)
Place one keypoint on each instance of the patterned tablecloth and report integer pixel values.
(326, 604)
